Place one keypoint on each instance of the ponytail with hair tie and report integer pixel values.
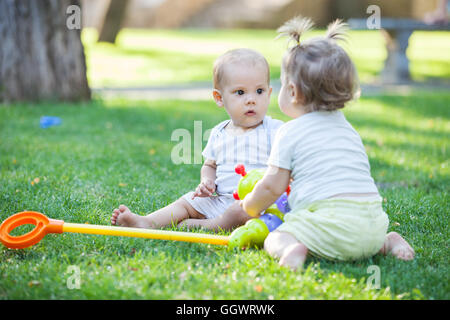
(295, 28)
(337, 30)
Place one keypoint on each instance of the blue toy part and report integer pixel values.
(282, 203)
(272, 221)
(47, 121)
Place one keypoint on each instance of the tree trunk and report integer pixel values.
(113, 21)
(40, 57)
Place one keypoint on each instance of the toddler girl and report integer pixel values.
(336, 209)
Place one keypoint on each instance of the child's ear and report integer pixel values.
(295, 93)
(218, 98)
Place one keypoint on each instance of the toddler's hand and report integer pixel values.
(205, 189)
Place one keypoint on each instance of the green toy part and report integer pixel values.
(248, 182)
(251, 234)
(273, 209)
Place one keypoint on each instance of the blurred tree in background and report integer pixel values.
(113, 21)
(41, 57)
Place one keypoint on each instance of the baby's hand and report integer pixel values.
(205, 189)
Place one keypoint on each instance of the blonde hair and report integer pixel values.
(321, 70)
(244, 56)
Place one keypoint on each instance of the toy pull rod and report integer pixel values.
(252, 234)
(44, 226)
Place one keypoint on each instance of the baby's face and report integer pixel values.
(245, 93)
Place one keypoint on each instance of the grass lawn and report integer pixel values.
(159, 57)
(109, 152)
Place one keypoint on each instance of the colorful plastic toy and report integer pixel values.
(253, 233)
(249, 234)
(44, 226)
(47, 121)
(248, 182)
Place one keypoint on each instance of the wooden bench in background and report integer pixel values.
(397, 33)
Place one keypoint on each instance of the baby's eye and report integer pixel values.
(259, 91)
(239, 92)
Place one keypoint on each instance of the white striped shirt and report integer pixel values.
(252, 149)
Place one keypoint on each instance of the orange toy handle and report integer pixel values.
(43, 226)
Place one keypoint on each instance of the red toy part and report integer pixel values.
(236, 196)
(240, 169)
(288, 190)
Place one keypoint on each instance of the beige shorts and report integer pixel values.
(210, 207)
(339, 229)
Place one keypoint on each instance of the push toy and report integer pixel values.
(256, 231)
(253, 233)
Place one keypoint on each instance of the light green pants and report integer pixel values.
(339, 229)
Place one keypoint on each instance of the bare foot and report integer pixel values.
(294, 256)
(125, 218)
(397, 246)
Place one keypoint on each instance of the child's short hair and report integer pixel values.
(322, 71)
(243, 55)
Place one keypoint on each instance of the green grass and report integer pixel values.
(117, 151)
(159, 57)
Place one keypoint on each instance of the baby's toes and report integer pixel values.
(409, 254)
(114, 216)
(123, 208)
(403, 253)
